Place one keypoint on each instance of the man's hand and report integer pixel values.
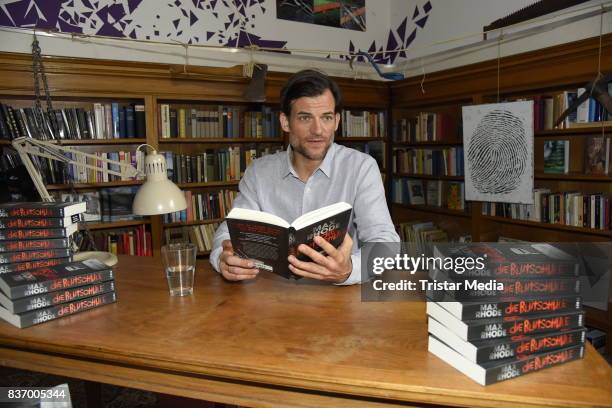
(335, 267)
(233, 267)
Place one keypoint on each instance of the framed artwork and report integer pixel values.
(348, 14)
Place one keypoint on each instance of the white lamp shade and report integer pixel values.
(157, 195)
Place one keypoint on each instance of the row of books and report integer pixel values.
(433, 162)
(596, 156)
(189, 121)
(357, 123)
(547, 108)
(134, 241)
(100, 121)
(32, 234)
(77, 173)
(40, 295)
(568, 208)
(435, 193)
(425, 127)
(106, 204)
(201, 236)
(203, 206)
(213, 165)
(521, 313)
(376, 149)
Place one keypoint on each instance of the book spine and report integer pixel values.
(66, 309)
(523, 326)
(534, 363)
(529, 346)
(26, 256)
(526, 270)
(17, 222)
(489, 310)
(13, 234)
(28, 266)
(512, 289)
(31, 212)
(32, 289)
(34, 244)
(62, 296)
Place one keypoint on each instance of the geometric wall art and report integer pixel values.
(498, 152)
(348, 14)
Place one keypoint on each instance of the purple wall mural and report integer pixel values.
(184, 21)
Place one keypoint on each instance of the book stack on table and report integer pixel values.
(32, 297)
(37, 234)
(532, 321)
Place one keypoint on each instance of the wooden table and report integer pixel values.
(274, 342)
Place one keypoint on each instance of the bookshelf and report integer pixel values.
(81, 83)
(542, 73)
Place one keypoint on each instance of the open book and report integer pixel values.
(269, 239)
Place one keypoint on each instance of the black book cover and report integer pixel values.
(32, 255)
(522, 307)
(482, 351)
(270, 244)
(55, 298)
(5, 132)
(55, 222)
(16, 285)
(28, 266)
(34, 244)
(496, 371)
(41, 209)
(122, 123)
(513, 259)
(43, 233)
(514, 326)
(139, 119)
(476, 289)
(33, 317)
(63, 132)
(173, 123)
(13, 122)
(130, 125)
(81, 119)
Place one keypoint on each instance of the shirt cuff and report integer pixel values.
(355, 276)
(215, 258)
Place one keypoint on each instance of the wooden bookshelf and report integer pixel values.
(358, 139)
(94, 186)
(187, 223)
(578, 131)
(435, 210)
(605, 178)
(102, 142)
(230, 183)
(428, 176)
(113, 224)
(544, 225)
(219, 140)
(428, 144)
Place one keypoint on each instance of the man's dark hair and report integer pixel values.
(308, 83)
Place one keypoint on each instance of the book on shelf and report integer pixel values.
(43, 300)
(84, 122)
(16, 285)
(495, 371)
(93, 212)
(597, 155)
(136, 241)
(269, 239)
(425, 127)
(547, 108)
(217, 121)
(556, 156)
(415, 192)
(203, 206)
(31, 318)
(362, 123)
(483, 351)
(202, 236)
(41, 209)
(432, 162)
(443, 194)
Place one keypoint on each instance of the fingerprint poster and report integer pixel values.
(498, 152)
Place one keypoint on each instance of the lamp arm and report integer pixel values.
(42, 148)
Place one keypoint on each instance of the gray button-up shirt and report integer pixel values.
(271, 184)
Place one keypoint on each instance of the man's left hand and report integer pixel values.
(335, 267)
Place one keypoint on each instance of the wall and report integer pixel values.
(422, 27)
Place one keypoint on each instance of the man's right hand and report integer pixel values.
(233, 267)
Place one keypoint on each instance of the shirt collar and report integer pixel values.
(325, 167)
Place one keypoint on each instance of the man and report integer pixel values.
(314, 172)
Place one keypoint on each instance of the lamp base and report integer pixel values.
(105, 257)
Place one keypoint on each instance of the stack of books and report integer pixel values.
(34, 235)
(520, 313)
(33, 297)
